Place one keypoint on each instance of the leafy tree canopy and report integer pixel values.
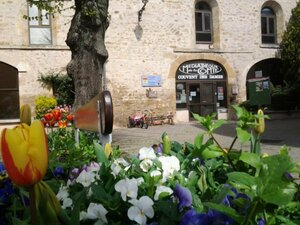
(291, 48)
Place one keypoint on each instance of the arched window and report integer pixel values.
(268, 26)
(9, 92)
(203, 22)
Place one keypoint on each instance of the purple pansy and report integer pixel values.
(212, 217)
(2, 168)
(191, 217)
(184, 196)
(261, 222)
(6, 189)
(58, 171)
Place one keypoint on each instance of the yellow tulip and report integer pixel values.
(260, 127)
(107, 150)
(25, 153)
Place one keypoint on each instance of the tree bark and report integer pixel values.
(86, 41)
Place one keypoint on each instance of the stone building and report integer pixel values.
(182, 56)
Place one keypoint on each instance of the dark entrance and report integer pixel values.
(201, 87)
(202, 98)
(9, 92)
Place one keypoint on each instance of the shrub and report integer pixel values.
(43, 104)
(61, 85)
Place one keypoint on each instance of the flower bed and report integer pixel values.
(167, 183)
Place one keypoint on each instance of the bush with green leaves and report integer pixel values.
(43, 105)
(61, 85)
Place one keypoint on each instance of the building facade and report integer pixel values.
(182, 56)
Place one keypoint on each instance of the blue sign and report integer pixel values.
(151, 81)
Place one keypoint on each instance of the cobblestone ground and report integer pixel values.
(277, 134)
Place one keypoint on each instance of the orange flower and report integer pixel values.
(62, 124)
(25, 153)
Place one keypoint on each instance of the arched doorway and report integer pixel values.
(9, 92)
(201, 86)
(260, 79)
(267, 68)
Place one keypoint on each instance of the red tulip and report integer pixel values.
(48, 116)
(70, 117)
(56, 114)
(25, 153)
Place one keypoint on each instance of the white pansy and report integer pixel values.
(97, 211)
(146, 153)
(139, 180)
(162, 189)
(115, 169)
(62, 193)
(146, 164)
(169, 165)
(140, 210)
(85, 178)
(67, 202)
(127, 188)
(83, 215)
(118, 165)
(93, 167)
(155, 173)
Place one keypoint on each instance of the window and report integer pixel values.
(203, 23)
(9, 92)
(39, 26)
(268, 26)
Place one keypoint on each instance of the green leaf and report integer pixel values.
(243, 135)
(251, 158)
(100, 153)
(226, 210)
(169, 212)
(199, 118)
(217, 124)
(78, 199)
(16, 221)
(272, 187)
(198, 141)
(212, 151)
(238, 111)
(242, 180)
(202, 184)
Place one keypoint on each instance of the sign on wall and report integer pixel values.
(200, 70)
(151, 81)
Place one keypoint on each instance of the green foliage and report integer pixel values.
(287, 96)
(66, 153)
(291, 47)
(50, 6)
(43, 105)
(218, 183)
(62, 86)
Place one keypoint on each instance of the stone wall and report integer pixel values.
(156, 46)
(31, 61)
(165, 38)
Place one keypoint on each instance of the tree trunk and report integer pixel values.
(86, 41)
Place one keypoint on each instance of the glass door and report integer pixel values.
(208, 98)
(202, 98)
(194, 98)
